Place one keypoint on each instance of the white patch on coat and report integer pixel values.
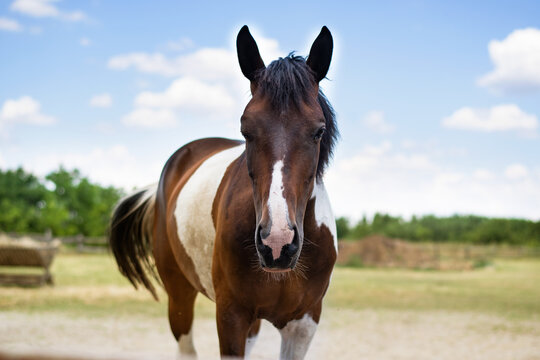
(296, 337)
(185, 346)
(193, 213)
(250, 343)
(280, 234)
(323, 210)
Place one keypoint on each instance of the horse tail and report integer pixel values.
(130, 238)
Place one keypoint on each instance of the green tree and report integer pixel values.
(342, 225)
(21, 195)
(64, 202)
(88, 205)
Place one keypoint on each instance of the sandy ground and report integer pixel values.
(341, 335)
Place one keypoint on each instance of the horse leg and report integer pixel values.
(233, 325)
(181, 302)
(181, 320)
(296, 336)
(181, 298)
(252, 337)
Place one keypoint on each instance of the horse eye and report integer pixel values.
(318, 135)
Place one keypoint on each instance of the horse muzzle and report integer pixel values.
(278, 250)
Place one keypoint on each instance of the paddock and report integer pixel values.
(94, 313)
(343, 334)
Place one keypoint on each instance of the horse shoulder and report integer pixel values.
(322, 211)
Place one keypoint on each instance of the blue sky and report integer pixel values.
(438, 103)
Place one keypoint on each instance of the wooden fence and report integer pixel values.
(80, 243)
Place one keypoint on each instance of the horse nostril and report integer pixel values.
(293, 247)
(265, 252)
(258, 238)
(296, 238)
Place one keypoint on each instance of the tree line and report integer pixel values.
(67, 203)
(64, 202)
(457, 228)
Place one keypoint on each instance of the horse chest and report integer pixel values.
(193, 214)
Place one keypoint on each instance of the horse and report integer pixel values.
(246, 223)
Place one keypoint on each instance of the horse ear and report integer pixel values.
(248, 53)
(320, 54)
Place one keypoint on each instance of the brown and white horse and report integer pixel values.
(248, 224)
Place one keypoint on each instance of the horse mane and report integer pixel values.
(289, 81)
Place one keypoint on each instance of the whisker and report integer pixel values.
(300, 269)
(310, 242)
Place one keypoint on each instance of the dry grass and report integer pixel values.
(493, 312)
(91, 285)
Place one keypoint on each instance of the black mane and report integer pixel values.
(289, 82)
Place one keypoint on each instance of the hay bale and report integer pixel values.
(26, 252)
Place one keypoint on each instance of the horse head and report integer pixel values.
(289, 130)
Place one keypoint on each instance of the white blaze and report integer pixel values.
(277, 205)
(280, 234)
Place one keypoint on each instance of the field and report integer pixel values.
(492, 312)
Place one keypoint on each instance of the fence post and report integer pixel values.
(48, 235)
(80, 242)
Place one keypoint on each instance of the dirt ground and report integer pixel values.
(342, 334)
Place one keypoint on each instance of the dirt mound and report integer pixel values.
(381, 251)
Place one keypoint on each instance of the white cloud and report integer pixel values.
(45, 8)
(112, 165)
(179, 45)
(150, 118)
(375, 120)
(85, 41)
(24, 110)
(37, 8)
(516, 171)
(517, 62)
(10, 25)
(105, 128)
(148, 63)
(204, 63)
(408, 144)
(382, 178)
(35, 30)
(74, 16)
(190, 95)
(101, 100)
(498, 118)
(209, 86)
(482, 174)
(141, 84)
